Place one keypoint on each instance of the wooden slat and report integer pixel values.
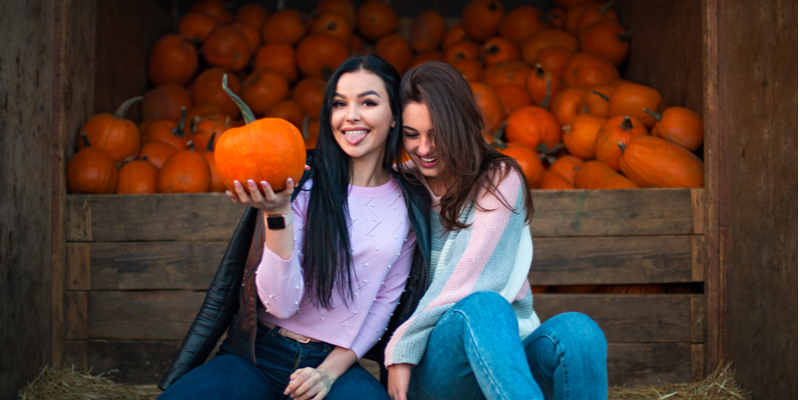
(609, 260)
(697, 332)
(76, 315)
(132, 363)
(75, 353)
(649, 363)
(79, 266)
(698, 258)
(698, 210)
(698, 362)
(626, 317)
(191, 217)
(155, 265)
(612, 212)
(79, 219)
(142, 315)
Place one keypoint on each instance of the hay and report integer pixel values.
(69, 384)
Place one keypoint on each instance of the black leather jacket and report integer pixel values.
(230, 303)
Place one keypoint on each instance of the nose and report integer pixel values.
(353, 114)
(426, 144)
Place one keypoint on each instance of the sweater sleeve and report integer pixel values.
(478, 258)
(386, 300)
(280, 282)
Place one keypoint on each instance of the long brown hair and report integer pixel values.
(470, 164)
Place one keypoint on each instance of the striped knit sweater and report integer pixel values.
(493, 254)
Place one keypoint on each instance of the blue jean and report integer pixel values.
(474, 352)
(230, 376)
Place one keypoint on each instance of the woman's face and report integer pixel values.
(418, 140)
(362, 115)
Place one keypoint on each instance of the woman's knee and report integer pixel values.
(580, 326)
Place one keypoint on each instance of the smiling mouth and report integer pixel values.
(355, 136)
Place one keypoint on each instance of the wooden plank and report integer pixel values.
(698, 258)
(155, 265)
(75, 354)
(131, 362)
(79, 218)
(76, 310)
(698, 362)
(142, 315)
(627, 318)
(697, 328)
(612, 212)
(609, 260)
(649, 363)
(79, 266)
(188, 217)
(698, 211)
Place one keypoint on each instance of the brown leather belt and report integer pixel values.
(289, 334)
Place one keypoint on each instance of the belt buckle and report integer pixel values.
(308, 339)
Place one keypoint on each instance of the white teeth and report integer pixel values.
(356, 132)
(427, 160)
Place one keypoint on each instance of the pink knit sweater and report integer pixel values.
(382, 242)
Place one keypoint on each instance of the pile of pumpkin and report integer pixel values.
(546, 82)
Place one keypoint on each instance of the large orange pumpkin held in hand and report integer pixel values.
(268, 149)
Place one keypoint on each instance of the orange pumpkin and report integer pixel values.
(632, 99)
(481, 18)
(343, 7)
(427, 31)
(580, 134)
(607, 39)
(195, 26)
(333, 24)
(285, 26)
(512, 97)
(490, 106)
(216, 184)
(206, 128)
(184, 172)
(137, 177)
(168, 132)
(595, 174)
(226, 47)
(554, 60)
(320, 55)
(278, 57)
(652, 162)
(588, 70)
(566, 104)
(202, 111)
(309, 93)
(156, 153)
(114, 134)
(207, 88)
(91, 171)
(534, 127)
(595, 13)
(251, 34)
(165, 102)
(498, 49)
(376, 19)
(268, 149)
(471, 70)
(542, 86)
(565, 168)
(172, 60)
(615, 131)
(678, 125)
(551, 181)
(288, 109)
(533, 45)
(253, 14)
(263, 89)
(434, 56)
(215, 8)
(506, 72)
(395, 50)
(310, 133)
(463, 50)
(454, 35)
(595, 100)
(573, 15)
(521, 23)
(529, 161)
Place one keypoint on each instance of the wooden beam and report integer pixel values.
(78, 218)
(142, 315)
(79, 266)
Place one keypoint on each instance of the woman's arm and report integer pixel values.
(315, 383)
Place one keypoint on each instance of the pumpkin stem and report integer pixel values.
(626, 37)
(549, 91)
(120, 114)
(178, 131)
(539, 70)
(496, 135)
(602, 96)
(607, 6)
(210, 146)
(85, 138)
(622, 147)
(542, 148)
(247, 114)
(499, 145)
(626, 123)
(566, 129)
(653, 114)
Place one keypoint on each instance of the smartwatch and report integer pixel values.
(279, 221)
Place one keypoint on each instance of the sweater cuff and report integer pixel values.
(406, 352)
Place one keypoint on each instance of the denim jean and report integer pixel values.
(230, 376)
(475, 352)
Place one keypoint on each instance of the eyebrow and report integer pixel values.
(409, 128)
(367, 93)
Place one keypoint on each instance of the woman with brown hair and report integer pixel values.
(474, 332)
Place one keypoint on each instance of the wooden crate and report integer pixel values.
(139, 267)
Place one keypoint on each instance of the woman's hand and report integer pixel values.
(309, 383)
(397, 385)
(264, 197)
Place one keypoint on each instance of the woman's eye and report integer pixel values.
(338, 104)
(410, 134)
(370, 103)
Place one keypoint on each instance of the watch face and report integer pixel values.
(275, 223)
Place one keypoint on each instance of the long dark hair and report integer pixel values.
(470, 164)
(327, 241)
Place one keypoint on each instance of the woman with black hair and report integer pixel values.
(322, 264)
